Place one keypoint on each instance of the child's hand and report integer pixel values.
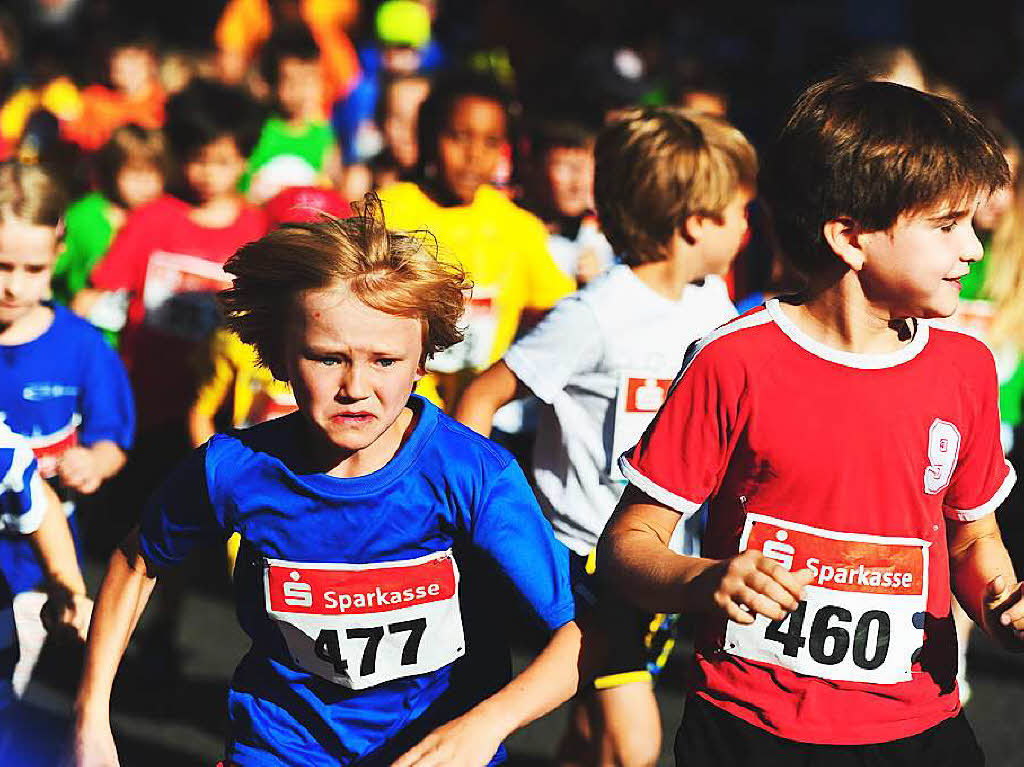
(1004, 612)
(469, 741)
(80, 470)
(751, 584)
(65, 612)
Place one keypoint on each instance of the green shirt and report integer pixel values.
(87, 237)
(310, 142)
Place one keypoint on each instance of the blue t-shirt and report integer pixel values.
(449, 502)
(65, 387)
(21, 512)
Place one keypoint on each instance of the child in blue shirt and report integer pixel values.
(378, 535)
(61, 386)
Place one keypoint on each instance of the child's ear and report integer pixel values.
(843, 237)
(692, 229)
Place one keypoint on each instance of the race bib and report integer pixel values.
(862, 617)
(474, 351)
(639, 398)
(179, 295)
(363, 625)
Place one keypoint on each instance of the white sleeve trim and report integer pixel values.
(969, 515)
(684, 506)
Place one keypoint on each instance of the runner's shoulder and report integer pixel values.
(459, 447)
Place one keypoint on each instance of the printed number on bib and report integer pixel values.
(862, 617)
(179, 295)
(639, 398)
(363, 625)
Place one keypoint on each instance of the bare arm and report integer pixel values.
(68, 604)
(55, 548)
(983, 579)
(200, 426)
(493, 388)
(633, 553)
(473, 738)
(122, 598)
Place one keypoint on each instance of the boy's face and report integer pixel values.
(27, 255)
(723, 237)
(132, 69)
(402, 110)
(470, 145)
(300, 87)
(914, 268)
(139, 183)
(215, 169)
(570, 176)
(352, 367)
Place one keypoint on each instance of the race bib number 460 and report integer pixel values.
(363, 625)
(861, 618)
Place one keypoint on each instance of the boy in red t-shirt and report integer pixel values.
(849, 454)
(167, 262)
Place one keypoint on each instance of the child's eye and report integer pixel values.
(949, 227)
(386, 363)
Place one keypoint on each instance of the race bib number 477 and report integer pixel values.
(861, 618)
(363, 625)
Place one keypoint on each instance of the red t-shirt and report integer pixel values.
(847, 464)
(171, 268)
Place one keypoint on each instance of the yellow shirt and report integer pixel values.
(504, 250)
(256, 396)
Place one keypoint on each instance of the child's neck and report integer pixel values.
(667, 278)
(840, 316)
(28, 327)
(218, 212)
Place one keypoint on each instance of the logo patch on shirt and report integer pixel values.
(943, 452)
(38, 391)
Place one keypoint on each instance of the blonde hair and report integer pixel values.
(1004, 274)
(394, 272)
(656, 166)
(32, 194)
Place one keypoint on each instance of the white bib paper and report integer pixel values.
(363, 625)
(862, 617)
(639, 398)
(481, 327)
(179, 294)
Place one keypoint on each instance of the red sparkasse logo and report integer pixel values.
(296, 588)
(841, 565)
(646, 395)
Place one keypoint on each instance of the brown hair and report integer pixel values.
(129, 145)
(32, 193)
(872, 151)
(656, 166)
(394, 272)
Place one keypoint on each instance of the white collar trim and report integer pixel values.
(849, 359)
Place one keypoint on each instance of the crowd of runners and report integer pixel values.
(428, 345)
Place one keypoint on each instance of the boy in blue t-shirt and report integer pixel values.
(61, 386)
(379, 538)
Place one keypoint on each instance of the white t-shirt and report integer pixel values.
(602, 362)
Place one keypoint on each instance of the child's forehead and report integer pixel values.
(955, 205)
(25, 242)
